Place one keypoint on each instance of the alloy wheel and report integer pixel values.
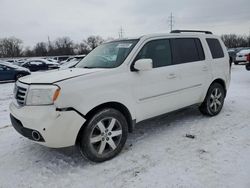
(106, 136)
(216, 100)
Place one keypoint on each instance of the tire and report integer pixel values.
(19, 76)
(248, 66)
(214, 100)
(104, 135)
(236, 63)
(231, 62)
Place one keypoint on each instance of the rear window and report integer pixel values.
(215, 48)
(187, 50)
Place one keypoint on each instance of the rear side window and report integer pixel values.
(187, 50)
(157, 50)
(215, 48)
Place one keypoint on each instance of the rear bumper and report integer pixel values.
(240, 59)
(56, 129)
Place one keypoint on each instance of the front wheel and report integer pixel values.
(104, 135)
(214, 100)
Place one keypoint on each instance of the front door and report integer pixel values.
(156, 90)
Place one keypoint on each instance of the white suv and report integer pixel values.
(119, 84)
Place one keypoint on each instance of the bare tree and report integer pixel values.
(94, 41)
(82, 48)
(28, 52)
(232, 40)
(64, 46)
(40, 49)
(10, 47)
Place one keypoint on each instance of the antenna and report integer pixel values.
(171, 21)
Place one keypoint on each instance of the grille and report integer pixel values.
(20, 94)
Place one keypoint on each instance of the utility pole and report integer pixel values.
(49, 46)
(171, 21)
(121, 33)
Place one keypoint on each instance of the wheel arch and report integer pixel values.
(221, 82)
(116, 105)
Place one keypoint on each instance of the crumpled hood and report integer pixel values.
(53, 76)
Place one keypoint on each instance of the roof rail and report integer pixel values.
(191, 31)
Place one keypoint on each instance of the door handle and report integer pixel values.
(205, 68)
(171, 76)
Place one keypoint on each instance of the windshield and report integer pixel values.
(108, 55)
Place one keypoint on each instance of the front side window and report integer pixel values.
(108, 55)
(157, 50)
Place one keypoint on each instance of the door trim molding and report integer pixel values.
(170, 92)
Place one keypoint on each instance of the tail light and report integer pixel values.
(248, 57)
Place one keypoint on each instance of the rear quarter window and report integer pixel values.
(215, 48)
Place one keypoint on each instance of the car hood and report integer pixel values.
(50, 77)
(243, 52)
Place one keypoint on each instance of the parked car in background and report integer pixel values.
(241, 56)
(51, 60)
(19, 62)
(77, 57)
(40, 65)
(69, 64)
(232, 53)
(67, 60)
(10, 72)
(60, 58)
(72, 63)
(11, 61)
(248, 62)
(119, 84)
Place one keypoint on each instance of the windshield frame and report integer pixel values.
(133, 41)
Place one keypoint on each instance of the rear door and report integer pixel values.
(195, 74)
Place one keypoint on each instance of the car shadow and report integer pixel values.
(143, 130)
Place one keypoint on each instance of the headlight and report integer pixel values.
(42, 95)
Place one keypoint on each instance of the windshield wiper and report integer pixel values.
(86, 67)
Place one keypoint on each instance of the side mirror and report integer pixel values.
(143, 64)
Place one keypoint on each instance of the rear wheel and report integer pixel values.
(248, 66)
(104, 135)
(214, 100)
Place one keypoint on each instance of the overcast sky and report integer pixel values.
(34, 20)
